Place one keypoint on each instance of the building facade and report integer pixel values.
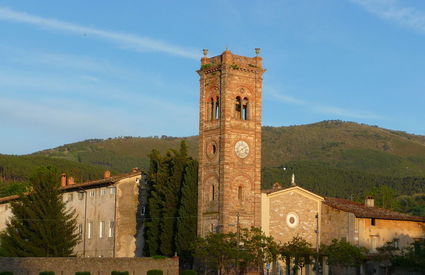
(109, 211)
(229, 142)
(295, 211)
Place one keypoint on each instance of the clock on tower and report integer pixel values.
(229, 142)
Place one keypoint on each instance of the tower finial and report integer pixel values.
(205, 51)
(293, 180)
(257, 51)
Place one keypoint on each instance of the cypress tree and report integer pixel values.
(188, 211)
(153, 213)
(176, 164)
(41, 226)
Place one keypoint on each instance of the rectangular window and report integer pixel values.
(80, 195)
(396, 243)
(80, 229)
(111, 229)
(112, 190)
(373, 222)
(102, 191)
(70, 197)
(92, 193)
(101, 229)
(89, 230)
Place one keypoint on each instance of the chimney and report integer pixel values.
(276, 186)
(369, 201)
(70, 180)
(106, 174)
(63, 180)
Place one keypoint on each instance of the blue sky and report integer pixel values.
(73, 70)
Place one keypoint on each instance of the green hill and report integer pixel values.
(332, 158)
(19, 168)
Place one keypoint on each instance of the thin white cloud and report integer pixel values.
(392, 10)
(320, 108)
(129, 41)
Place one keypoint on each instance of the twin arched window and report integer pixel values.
(241, 108)
(214, 108)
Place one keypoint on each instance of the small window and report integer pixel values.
(89, 230)
(102, 191)
(70, 197)
(101, 229)
(92, 193)
(211, 109)
(217, 108)
(112, 190)
(238, 108)
(212, 192)
(111, 229)
(240, 195)
(373, 222)
(143, 211)
(396, 243)
(80, 229)
(211, 227)
(244, 114)
(80, 195)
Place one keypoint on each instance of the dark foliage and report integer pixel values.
(154, 272)
(40, 226)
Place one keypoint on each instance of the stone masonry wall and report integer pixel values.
(97, 266)
(304, 207)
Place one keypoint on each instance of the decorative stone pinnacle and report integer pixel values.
(257, 51)
(205, 51)
(293, 180)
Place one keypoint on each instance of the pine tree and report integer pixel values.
(188, 211)
(41, 226)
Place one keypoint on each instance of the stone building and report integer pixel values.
(229, 142)
(295, 211)
(109, 212)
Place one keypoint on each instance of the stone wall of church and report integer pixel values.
(303, 207)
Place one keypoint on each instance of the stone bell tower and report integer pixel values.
(229, 142)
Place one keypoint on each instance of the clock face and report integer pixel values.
(241, 149)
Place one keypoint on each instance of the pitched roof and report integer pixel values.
(362, 211)
(83, 185)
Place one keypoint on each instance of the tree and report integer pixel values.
(41, 226)
(298, 250)
(248, 249)
(188, 211)
(344, 254)
(217, 251)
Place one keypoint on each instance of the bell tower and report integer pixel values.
(229, 142)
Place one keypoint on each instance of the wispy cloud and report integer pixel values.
(394, 11)
(125, 40)
(320, 108)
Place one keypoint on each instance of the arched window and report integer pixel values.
(245, 109)
(240, 194)
(238, 108)
(217, 108)
(211, 109)
(212, 192)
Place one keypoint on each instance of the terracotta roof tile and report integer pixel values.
(87, 184)
(362, 211)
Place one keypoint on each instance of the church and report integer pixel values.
(229, 188)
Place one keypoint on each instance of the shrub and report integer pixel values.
(6, 273)
(83, 273)
(188, 272)
(157, 257)
(154, 272)
(119, 273)
(47, 273)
